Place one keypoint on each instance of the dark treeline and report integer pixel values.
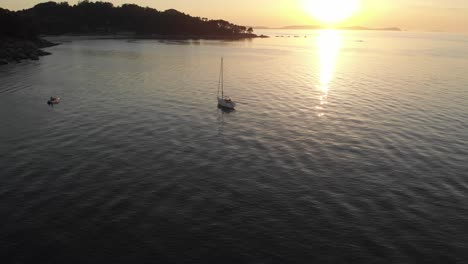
(16, 26)
(87, 17)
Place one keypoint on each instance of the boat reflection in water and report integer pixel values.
(328, 43)
(222, 111)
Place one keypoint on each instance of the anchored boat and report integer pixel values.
(224, 101)
(53, 100)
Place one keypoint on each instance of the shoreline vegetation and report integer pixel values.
(22, 32)
(18, 40)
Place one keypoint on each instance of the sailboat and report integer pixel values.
(223, 101)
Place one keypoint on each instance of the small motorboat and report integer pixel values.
(53, 100)
(224, 101)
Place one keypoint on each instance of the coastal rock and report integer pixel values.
(43, 53)
(22, 56)
(15, 50)
(46, 44)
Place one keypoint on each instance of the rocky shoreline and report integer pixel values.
(16, 50)
(200, 37)
(156, 36)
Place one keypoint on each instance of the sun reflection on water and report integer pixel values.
(328, 47)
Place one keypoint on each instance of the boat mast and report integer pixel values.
(219, 82)
(222, 77)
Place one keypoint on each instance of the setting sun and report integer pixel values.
(332, 11)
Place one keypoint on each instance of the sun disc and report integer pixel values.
(332, 11)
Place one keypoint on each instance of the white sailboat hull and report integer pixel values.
(223, 102)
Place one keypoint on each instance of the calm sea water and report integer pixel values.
(346, 147)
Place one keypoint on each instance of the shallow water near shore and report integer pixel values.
(346, 147)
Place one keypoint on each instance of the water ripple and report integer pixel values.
(138, 161)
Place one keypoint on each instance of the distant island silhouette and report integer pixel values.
(20, 30)
(340, 28)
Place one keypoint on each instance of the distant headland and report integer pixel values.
(20, 31)
(316, 27)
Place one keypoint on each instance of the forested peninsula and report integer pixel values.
(21, 31)
(19, 38)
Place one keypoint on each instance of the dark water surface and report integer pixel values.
(345, 148)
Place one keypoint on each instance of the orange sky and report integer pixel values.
(417, 15)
